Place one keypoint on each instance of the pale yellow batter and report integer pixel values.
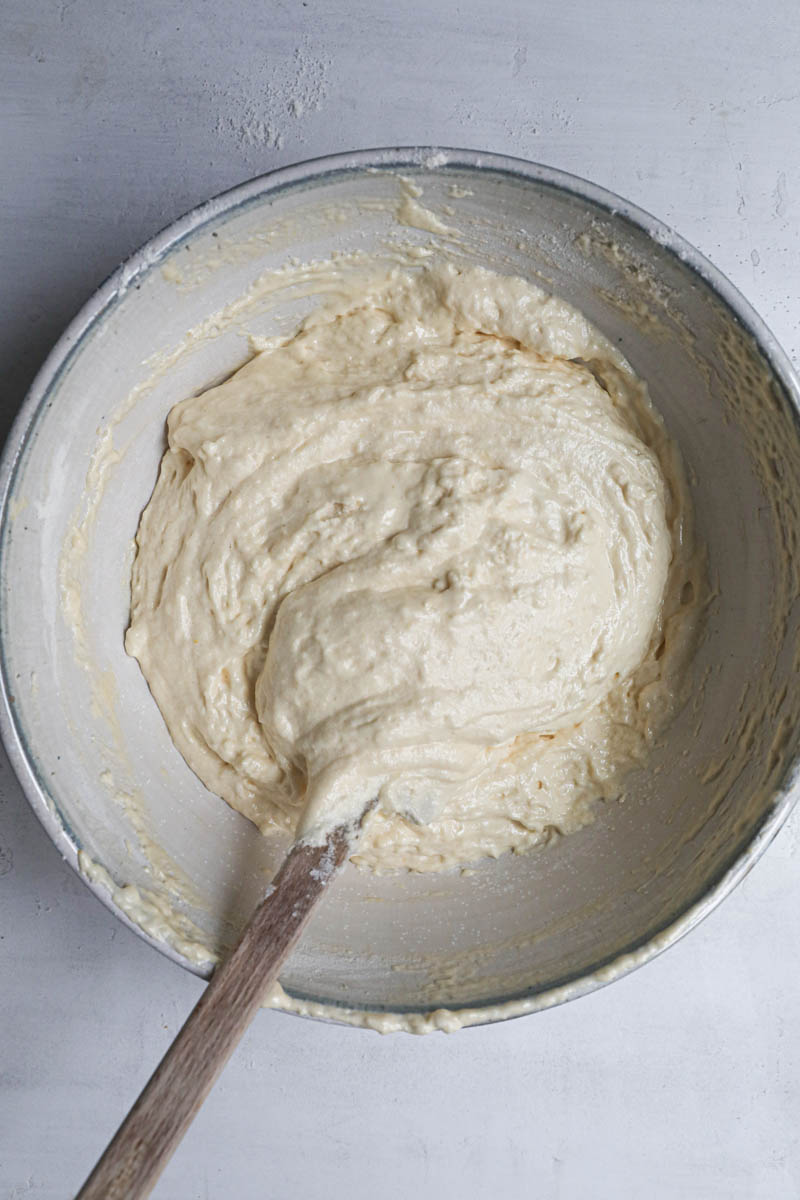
(431, 549)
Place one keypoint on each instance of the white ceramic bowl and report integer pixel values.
(517, 934)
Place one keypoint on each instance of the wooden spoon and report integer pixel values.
(146, 1139)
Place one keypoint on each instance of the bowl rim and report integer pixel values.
(418, 159)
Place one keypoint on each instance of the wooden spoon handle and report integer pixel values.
(147, 1137)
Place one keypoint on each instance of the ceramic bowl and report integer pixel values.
(90, 747)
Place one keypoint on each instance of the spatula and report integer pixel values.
(146, 1139)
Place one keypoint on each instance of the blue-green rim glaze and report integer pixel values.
(304, 176)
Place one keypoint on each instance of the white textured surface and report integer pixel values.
(681, 1081)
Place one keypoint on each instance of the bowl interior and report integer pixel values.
(94, 743)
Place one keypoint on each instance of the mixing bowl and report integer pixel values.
(89, 745)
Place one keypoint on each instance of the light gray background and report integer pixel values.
(678, 1083)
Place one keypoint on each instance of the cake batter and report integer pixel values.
(431, 550)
